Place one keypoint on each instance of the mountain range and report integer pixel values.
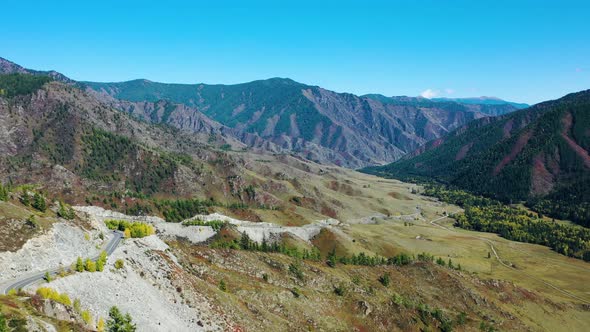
(539, 155)
(280, 115)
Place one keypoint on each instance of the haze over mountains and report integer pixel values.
(284, 116)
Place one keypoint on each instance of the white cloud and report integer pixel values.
(449, 91)
(429, 93)
(579, 70)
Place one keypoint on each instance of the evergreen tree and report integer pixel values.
(3, 325)
(245, 242)
(118, 322)
(39, 202)
(3, 193)
(332, 258)
(25, 198)
(222, 285)
(385, 279)
(65, 211)
(264, 246)
(32, 221)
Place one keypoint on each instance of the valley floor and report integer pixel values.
(519, 287)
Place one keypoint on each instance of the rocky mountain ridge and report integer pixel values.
(540, 155)
(283, 116)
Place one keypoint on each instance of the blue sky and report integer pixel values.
(525, 51)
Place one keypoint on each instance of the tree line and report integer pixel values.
(487, 215)
(131, 229)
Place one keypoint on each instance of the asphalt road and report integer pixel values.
(38, 276)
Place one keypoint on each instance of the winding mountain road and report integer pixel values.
(30, 279)
(503, 263)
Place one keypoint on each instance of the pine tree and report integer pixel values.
(119, 323)
(65, 211)
(222, 285)
(25, 198)
(3, 325)
(3, 193)
(245, 241)
(332, 258)
(385, 279)
(39, 202)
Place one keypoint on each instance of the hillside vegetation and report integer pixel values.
(283, 115)
(538, 155)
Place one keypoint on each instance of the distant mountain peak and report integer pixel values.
(9, 67)
(484, 100)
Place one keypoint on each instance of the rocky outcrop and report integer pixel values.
(314, 123)
(283, 116)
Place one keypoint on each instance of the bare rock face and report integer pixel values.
(57, 310)
(281, 115)
(365, 308)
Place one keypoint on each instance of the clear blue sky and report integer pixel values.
(525, 51)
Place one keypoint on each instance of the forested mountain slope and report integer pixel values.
(539, 154)
(69, 145)
(283, 116)
(312, 122)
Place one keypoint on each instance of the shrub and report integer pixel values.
(222, 286)
(64, 299)
(90, 266)
(296, 270)
(332, 258)
(398, 300)
(215, 224)
(131, 229)
(66, 211)
(32, 221)
(86, 317)
(77, 306)
(25, 199)
(79, 265)
(3, 193)
(385, 279)
(340, 290)
(51, 294)
(102, 260)
(119, 264)
(39, 202)
(3, 326)
(100, 325)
